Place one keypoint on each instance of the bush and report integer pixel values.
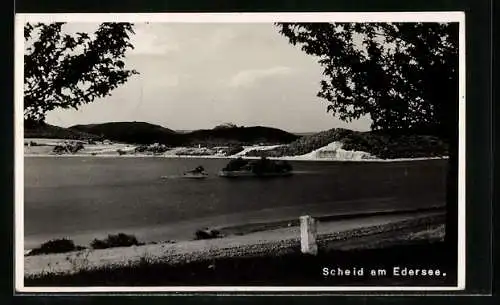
(113, 241)
(207, 234)
(56, 246)
(141, 148)
(68, 148)
(152, 148)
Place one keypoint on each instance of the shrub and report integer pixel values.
(113, 241)
(152, 148)
(98, 244)
(207, 234)
(141, 148)
(59, 149)
(56, 246)
(76, 147)
(70, 148)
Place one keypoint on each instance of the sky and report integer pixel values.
(199, 75)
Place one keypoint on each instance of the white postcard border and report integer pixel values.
(20, 19)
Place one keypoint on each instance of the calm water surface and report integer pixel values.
(87, 197)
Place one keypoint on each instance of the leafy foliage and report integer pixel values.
(403, 75)
(66, 71)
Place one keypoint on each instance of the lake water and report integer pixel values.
(87, 197)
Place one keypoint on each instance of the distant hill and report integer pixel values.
(145, 133)
(241, 135)
(47, 131)
(301, 134)
(131, 132)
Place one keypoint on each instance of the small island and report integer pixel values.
(262, 167)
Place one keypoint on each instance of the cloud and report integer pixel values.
(162, 81)
(247, 78)
(147, 39)
(220, 37)
(146, 42)
(164, 39)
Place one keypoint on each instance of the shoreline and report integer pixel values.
(251, 225)
(290, 158)
(181, 152)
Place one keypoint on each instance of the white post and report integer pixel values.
(308, 232)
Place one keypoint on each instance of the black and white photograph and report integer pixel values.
(240, 152)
